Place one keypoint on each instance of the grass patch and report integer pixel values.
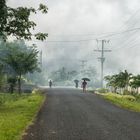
(16, 113)
(126, 101)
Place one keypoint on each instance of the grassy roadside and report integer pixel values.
(17, 113)
(125, 101)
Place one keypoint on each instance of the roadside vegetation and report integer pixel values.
(18, 62)
(123, 83)
(123, 90)
(17, 112)
(125, 101)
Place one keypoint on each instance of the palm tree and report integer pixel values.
(126, 77)
(135, 82)
(119, 81)
(112, 82)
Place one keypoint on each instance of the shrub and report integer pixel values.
(2, 100)
(102, 90)
(36, 91)
(126, 92)
(118, 96)
(6, 97)
(129, 97)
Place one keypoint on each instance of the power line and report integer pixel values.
(125, 31)
(126, 43)
(84, 40)
(109, 35)
(130, 18)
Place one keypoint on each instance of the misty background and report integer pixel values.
(74, 26)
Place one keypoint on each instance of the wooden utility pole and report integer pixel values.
(102, 59)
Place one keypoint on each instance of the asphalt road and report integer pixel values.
(69, 114)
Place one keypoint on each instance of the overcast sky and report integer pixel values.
(85, 21)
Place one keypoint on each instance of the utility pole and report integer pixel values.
(102, 58)
(84, 62)
(40, 59)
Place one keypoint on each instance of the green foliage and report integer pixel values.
(121, 80)
(102, 90)
(125, 101)
(3, 15)
(4, 97)
(126, 92)
(121, 97)
(135, 82)
(138, 97)
(15, 116)
(129, 97)
(37, 91)
(20, 59)
(41, 36)
(43, 8)
(2, 80)
(2, 100)
(12, 82)
(16, 21)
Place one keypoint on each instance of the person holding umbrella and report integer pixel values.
(76, 83)
(84, 84)
(50, 83)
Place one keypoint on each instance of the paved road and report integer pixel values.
(69, 114)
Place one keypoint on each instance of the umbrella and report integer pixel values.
(49, 80)
(86, 79)
(76, 81)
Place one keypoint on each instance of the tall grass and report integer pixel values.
(126, 101)
(16, 113)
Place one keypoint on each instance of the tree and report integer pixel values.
(3, 12)
(135, 82)
(125, 78)
(20, 59)
(2, 76)
(119, 81)
(112, 81)
(16, 21)
(12, 82)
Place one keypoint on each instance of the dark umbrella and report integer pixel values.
(76, 81)
(86, 79)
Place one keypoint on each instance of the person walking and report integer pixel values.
(50, 83)
(84, 84)
(76, 84)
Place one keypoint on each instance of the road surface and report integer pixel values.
(69, 114)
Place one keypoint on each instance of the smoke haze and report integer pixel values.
(78, 23)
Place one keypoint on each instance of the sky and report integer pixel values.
(74, 26)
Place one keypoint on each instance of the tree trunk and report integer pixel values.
(115, 90)
(137, 90)
(11, 89)
(19, 84)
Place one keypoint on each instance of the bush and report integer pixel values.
(27, 91)
(118, 96)
(36, 91)
(6, 97)
(137, 97)
(2, 100)
(129, 97)
(125, 101)
(102, 90)
(126, 92)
